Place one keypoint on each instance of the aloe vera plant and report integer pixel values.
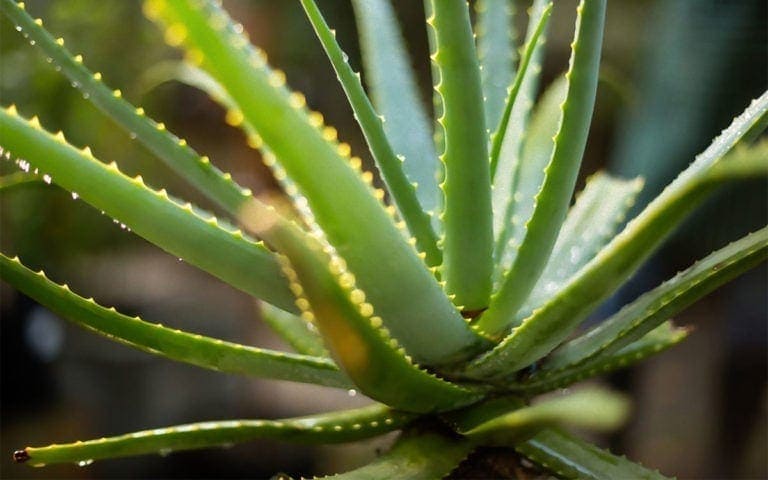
(437, 296)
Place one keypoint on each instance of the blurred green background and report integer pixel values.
(674, 73)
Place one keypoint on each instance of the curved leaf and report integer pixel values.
(217, 186)
(568, 457)
(664, 301)
(511, 224)
(504, 166)
(352, 217)
(532, 48)
(205, 352)
(594, 409)
(395, 93)
(176, 228)
(551, 202)
(468, 231)
(656, 341)
(496, 51)
(334, 427)
(391, 168)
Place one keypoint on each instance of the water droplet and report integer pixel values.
(18, 28)
(86, 95)
(164, 452)
(575, 254)
(123, 226)
(75, 196)
(75, 84)
(24, 165)
(48, 59)
(85, 463)
(132, 135)
(47, 179)
(32, 42)
(352, 392)
(180, 259)
(57, 68)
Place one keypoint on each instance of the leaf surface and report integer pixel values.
(336, 427)
(468, 231)
(205, 352)
(551, 202)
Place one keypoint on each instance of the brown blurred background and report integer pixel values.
(674, 73)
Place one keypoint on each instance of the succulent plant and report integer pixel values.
(451, 297)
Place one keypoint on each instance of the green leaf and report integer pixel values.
(569, 457)
(294, 330)
(468, 231)
(217, 186)
(415, 456)
(593, 220)
(664, 301)
(178, 229)
(204, 352)
(594, 409)
(548, 326)
(532, 48)
(551, 202)
(336, 427)
(505, 164)
(658, 340)
(352, 217)
(495, 32)
(510, 223)
(391, 168)
(353, 332)
(395, 93)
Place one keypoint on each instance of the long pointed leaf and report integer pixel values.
(593, 220)
(468, 230)
(334, 427)
(664, 301)
(516, 210)
(395, 93)
(345, 206)
(656, 341)
(540, 333)
(552, 201)
(532, 48)
(391, 168)
(176, 153)
(594, 409)
(173, 227)
(495, 32)
(204, 352)
(415, 456)
(569, 457)
(504, 166)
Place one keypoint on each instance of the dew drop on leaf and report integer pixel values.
(85, 463)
